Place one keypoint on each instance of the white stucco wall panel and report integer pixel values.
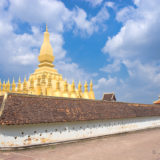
(34, 134)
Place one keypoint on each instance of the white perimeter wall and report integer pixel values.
(26, 135)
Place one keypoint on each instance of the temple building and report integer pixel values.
(46, 80)
(45, 109)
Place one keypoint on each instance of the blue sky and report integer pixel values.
(115, 43)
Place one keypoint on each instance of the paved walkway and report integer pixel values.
(143, 145)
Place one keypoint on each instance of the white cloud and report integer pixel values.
(105, 85)
(20, 51)
(110, 4)
(142, 86)
(94, 3)
(138, 36)
(72, 71)
(27, 59)
(137, 47)
(94, 24)
(58, 17)
(113, 67)
(54, 13)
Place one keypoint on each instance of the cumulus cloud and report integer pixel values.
(72, 71)
(105, 85)
(20, 51)
(54, 13)
(138, 36)
(94, 3)
(110, 4)
(113, 67)
(57, 15)
(136, 46)
(24, 59)
(85, 25)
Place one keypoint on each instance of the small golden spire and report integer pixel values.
(91, 93)
(86, 87)
(79, 87)
(31, 87)
(4, 86)
(73, 86)
(25, 85)
(13, 86)
(73, 92)
(86, 94)
(57, 92)
(65, 92)
(79, 90)
(8, 86)
(65, 86)
(91, 86)
(19, 85)
(19, 80)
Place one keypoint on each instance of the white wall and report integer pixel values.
(25, 135)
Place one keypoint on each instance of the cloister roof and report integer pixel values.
(28, 109)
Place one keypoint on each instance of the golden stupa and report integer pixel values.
(46, 80)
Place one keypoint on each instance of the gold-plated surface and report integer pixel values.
(46, 80)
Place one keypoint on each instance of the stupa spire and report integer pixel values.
(46, 57)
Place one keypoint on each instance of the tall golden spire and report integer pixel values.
(46, 57)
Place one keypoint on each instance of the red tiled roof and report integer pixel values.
(27, 109)
(157, 102)
(109, 97)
